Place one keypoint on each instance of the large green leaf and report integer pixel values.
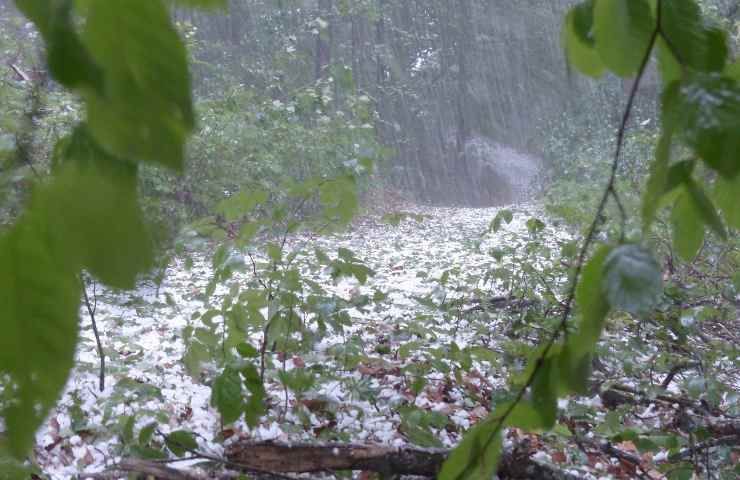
(545, 391)
(592, 302)
(524, 415)
(574, 361)
(688, 230)
(13, 469)
(692, 42)
(145, 112)
(69, 61)
(477, 456)
(90, 189)
(623, 29)
(39, 304)
(657, 181)
(578, 41)
(503, 216)
(710, 111)
(181, 442)
(727, 194)
(632, 279)
(670, 69)
(679, 174)
(226, 395)
(255, 406)
(706, 209)
(574, 366)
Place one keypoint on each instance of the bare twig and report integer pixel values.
(676, 370)
(91, 308)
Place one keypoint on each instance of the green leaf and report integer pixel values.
(208, 337)
(574, 361)
(255, 406)
(544, 392)
(578, 42)
(39, 305)
(196, 354)
(322, 257)
(346, 254)
(147, 453)
(127, 429)
(709, 108)
(733, 70)
(240, 204)
(574, 366)
(145, 434)
(247, 351)
(623, 29)
(657, 181)
(535, 226)
(688, 231)
(226, 395)
(477, 456)
(632, 279)
(524, 415)
(504, 216)
(679, 174)
(181, 442)
(91, 187)
(706, 209)
(727, 194)
(583, 22)
(339, 199)
(145, 112)
(12, 469)
(692, 41)
(418, 434)
(422, 437)
(670, 70)
(592, 301)
(69, 61)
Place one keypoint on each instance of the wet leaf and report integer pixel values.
(688, 230)
(623, 29)
(226, 395)
(632, 279)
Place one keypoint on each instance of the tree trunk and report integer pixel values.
(323, 41)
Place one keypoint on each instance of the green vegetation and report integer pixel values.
(150, 136)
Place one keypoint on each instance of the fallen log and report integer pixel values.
(618, 395)
(276, 461)
(156, 470)
(306, 458)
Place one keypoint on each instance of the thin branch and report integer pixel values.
(676, 370)
(91, 311)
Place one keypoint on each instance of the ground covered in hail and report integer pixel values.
(418, 325)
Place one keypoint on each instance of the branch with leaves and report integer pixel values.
(622, 36)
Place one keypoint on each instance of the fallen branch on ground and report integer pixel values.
(305, 458)
(275, 461)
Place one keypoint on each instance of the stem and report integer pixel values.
(91, 308)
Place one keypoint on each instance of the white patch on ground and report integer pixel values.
(142, 334)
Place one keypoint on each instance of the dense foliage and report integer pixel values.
(332, 104)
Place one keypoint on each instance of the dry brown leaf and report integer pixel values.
(558, 457)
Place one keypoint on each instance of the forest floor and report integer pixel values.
(419, 364)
